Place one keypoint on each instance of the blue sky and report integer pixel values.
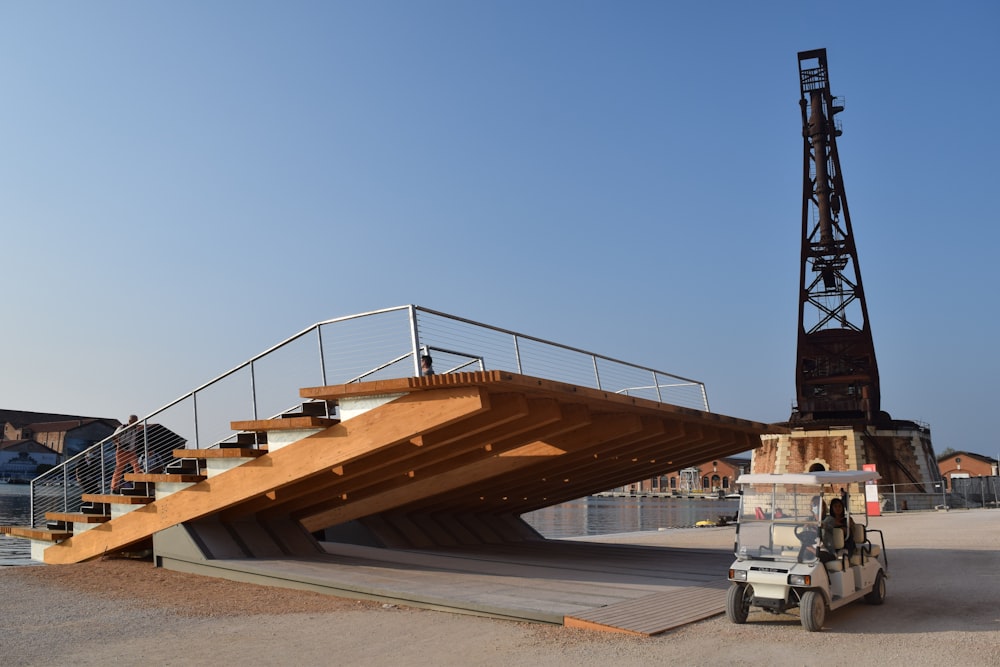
(184, 184)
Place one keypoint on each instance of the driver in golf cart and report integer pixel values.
(791, 552)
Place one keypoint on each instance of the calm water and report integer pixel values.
(586, 516)
(602, 516)
(15, 503)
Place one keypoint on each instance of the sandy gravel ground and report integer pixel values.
(943, 607)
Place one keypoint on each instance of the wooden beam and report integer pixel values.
(549, 423)
(504, 412)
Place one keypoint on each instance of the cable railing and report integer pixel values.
(376, 345)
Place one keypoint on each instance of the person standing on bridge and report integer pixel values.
(426, 365)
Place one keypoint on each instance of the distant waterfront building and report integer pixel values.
(66, 435)
(709, 477)
(70, 437)
(23, 460)
(965, 465)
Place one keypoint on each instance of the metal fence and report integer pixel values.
(976, 491)
(968, 493)
(377, 345)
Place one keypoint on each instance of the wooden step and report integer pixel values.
(284, 424)
(41, 534)
(162, 477)
(69, 517)
(221, 453)
(115, 499)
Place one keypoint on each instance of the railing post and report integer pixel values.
(253, 393)
(145, 445)
(656, 383)
(65, 507)
(322, 356)
(415, 339)
(105, 478)
(517, 355)
(597, 373)
(194, 405)
(895, 505)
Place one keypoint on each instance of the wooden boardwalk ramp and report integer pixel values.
(425, 465)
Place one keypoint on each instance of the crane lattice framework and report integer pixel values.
(836, 372)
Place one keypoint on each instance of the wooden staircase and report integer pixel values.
(416, 462)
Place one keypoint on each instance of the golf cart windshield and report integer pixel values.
(780, 515)
(779, 522)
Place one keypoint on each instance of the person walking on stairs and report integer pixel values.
(126, 441)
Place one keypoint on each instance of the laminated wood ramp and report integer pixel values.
(440, 461)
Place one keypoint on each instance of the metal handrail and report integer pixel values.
(349, 349)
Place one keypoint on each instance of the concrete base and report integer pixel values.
(280, 438)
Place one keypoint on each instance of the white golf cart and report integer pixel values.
(787, 558)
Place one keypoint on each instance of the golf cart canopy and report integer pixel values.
(814, 478)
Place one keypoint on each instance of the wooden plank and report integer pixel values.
(162, 477)
(116, 499)
(284, 423)
(505, 381)
(77, 518)
(656, 613)
(219, 453)
(41, 534)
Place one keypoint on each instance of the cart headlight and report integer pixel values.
(799, 580)
(738, 575)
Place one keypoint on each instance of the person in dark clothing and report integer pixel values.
(426, 365)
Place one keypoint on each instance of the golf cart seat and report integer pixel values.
(865, 549)
(784, 539)
(837, 541)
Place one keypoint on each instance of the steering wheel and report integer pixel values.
(806, 533)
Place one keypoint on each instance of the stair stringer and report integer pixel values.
(401, 420)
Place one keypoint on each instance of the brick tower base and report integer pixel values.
(901, 451)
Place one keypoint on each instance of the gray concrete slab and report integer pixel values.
(543, 581)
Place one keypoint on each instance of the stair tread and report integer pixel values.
(77, 518)
(284, 423)
(222, 453)
(163, 477)
(115, 498)
(32, 533)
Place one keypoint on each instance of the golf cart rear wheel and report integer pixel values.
(812, 610)
(738, 602)
(877, 595)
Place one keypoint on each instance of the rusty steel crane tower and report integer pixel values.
(836, 376)
(837, 422)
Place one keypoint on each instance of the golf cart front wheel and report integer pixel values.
(738, 602)
(812, 610)
(877, 595)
